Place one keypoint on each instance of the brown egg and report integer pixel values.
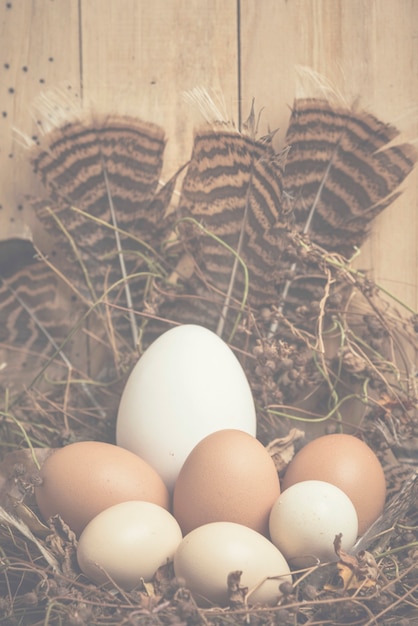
(348, 463)
(228, 477)
(82, 479)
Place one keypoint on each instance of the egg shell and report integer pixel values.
(228, 476)
(206, 556)
(84, 478)
(305, 520)
(186, 385)
(127, 542)
(350, 464)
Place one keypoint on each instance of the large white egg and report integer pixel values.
(306, 518)
(128, 542)
(187, 385)
(208, 554)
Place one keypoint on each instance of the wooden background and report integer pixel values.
(137, 56)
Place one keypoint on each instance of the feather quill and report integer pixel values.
(233, 189)
(244, 210)
(340, 173)
(101, 178)
(337, 170)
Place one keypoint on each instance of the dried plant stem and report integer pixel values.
(237, 255)
(375, 619)
(315, 420)
(58, 349)
(149, 260)
(238, 259)
(9, 415)
(76, 327)
(306, 229)
(128, 295)
(74, 248)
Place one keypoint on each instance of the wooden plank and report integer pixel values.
(140, 57)
(124, 56)
(119, 56)
(368, 51)
(38, 50)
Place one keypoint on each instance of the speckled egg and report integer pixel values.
(348, 463)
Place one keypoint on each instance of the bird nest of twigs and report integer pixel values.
(258, 248)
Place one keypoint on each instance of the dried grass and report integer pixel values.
(353, 370)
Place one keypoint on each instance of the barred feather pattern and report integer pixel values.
(233, 189)
(340, 173)
(86, 167)
(34, 317)
(340, 167)
(335, 175)
(71, 160)
(338, 170)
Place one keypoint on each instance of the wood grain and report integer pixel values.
(368, 51)
(39, 49)
(140, 57)
(120, 56)
(137, 57)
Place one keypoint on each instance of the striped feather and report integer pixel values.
(340, 166)
(35, 317)
(239, 199)
(340, 173)
(233, 189)
(88, 169)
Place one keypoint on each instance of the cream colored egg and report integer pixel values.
(208, 554)
(306, 519)
(128, 542)
(348, 463)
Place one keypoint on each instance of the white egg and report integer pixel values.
(187, 385)
(127, 542)
(209, 553)
(306, 518)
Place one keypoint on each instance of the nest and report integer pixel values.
(264, 265)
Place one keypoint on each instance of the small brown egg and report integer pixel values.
(348, 463)
(228, 477)
(82, 479)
